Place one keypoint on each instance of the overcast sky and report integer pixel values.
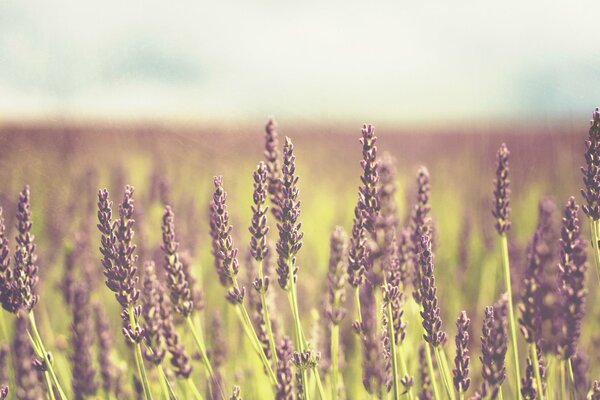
(303, 60)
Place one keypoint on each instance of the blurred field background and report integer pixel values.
(66, 165)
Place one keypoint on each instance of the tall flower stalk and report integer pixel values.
(227, 266)
(493, 350)
(591, 181)
(259, 249)
(501, 211)
(365, 214)
(180, 294)
(120, 271)
(572, 268)
(18, 288)
(531, 304)
(462, 381)
(288, 246)
(430, 314)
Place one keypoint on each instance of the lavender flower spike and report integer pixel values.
(273, 167)
(290, 234)
(432, 321)
(179, 288)
(462, 359)
(493, 348)
(367, 207)
(420, 224)
(6, 281)
(572, 273)
(25, 270)
(501, 209)
(84, 379)
(591, 172)
(335, 276)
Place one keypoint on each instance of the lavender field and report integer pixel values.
(299, 261)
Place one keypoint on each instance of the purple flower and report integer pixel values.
(501, 209)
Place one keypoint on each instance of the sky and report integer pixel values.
(305, 60)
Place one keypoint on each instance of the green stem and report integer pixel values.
(201, 347)
(436, 391)
(511, 313)
(163, 383)
(44, 354)
(299, 336)
(596, 251)
(50, 391)
(500, 395)
(139, 360)
(319, 383)
(444, 373)
(392, 341)
(404, 368)
(9, 361)
(335, 344)
(194, 389)
(571, 374)
(563, 379)
(265, 310)
(256, 344)
(536, 369)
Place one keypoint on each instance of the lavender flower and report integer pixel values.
(285, 375)
(530, 306)
(386, 193)
(105, 346)
(493, 348)
(528, 387)
(572, 269)
(179, 289)
(591, 172)
(154, 313)
(25, 270)
(290, 235)
(84, 377)
(3, 392)
(432, 321)
(462, 359)
(119, 260)
(420, 225)
(501, 209)
(335, 276)
(365, 212)
(224, 252)
(259, 228)
(273, 168)
(374, 374)
(6, 281)
(180, 361)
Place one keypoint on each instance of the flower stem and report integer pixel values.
(44, 354)
(251, 333)
(444, 373)
(392, 341)
(265, 310)
(299, 335)
(511, 313)
(201, 348)
(436, 391)
(595, 250)
(139, 360)
(563, 379)
(404, 368)
(335, 345)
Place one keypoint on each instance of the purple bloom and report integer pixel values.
(591, 172)
(501, 209)
(462, 359)
(432, 321)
